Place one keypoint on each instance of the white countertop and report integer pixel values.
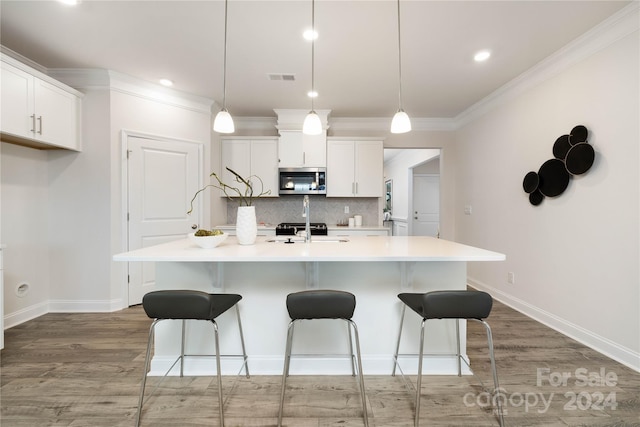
(356, 249)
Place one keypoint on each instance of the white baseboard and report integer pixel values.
(592, 340)
(26, 314)
(61, 306)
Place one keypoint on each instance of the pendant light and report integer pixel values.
(223, 122)
(400, 122)
(312, 124)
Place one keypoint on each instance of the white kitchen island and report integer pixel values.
(374, 268)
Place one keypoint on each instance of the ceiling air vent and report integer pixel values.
(282, 77)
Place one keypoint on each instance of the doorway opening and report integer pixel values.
(413, 206)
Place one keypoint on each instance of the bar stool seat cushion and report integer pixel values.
(449, 304)
(321, 304)
(187, 304)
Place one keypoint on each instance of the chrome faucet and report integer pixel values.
(305, 214)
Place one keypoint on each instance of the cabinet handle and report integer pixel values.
(304, 158)
(356, 192)
(33, 123)
(40, 125)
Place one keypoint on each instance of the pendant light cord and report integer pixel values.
(224, 71)
(313, 42)
(399, 62)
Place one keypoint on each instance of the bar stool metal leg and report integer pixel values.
(244, 351)
(419, 382)
(353, 357)
(182, 349)
(395, 355)
(147, 362)
(458, 354)
(494, 371)
(285, 373)
(360, 371)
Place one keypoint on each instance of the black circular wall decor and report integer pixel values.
(580, 158)
(554, 178)
(531, 182)
(536, 198)
(561, 147)
(578, 134)
(573, 155)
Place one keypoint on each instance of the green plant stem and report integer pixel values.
(245, 197)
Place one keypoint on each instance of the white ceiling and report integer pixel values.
(356, 53)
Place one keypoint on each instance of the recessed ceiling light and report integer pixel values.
(166, 82)
(312, 94)
(69, 2)
(310, 34)
(482, 55)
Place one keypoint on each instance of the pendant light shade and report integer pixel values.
(312, 124)
(401, 122)
(223, 122)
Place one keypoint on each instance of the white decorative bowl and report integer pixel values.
(207, 242)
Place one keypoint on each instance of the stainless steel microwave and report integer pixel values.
(303, 181)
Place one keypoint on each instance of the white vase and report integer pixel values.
(246, 225)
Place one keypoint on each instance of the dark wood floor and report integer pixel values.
(85, 370)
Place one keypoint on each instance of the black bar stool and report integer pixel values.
(469, 305)
(189, 305)
(323, 304)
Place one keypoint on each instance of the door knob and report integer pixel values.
(194, 226)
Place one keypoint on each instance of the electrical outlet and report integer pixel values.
(346, 209)
(511, 278)
(468, 210)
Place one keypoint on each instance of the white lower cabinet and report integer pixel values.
(37, 110)
(256, 157)
(355, 168)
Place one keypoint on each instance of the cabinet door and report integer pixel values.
(264, 164)
(56, 116)
(314, 153)
(298, 150)
(340, 164)
(236, 155)
(17, 102)
(290, 150)
(369, 163)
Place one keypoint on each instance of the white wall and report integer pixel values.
(575, 257)
(25, 198)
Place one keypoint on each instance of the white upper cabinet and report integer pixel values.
(36, 110)
(354, 168)
(297, 150)
(254, 156)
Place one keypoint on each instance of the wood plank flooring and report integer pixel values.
(85, 370)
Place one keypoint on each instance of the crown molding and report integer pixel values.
(101, 79)
(616, 27)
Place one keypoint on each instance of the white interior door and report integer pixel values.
(163, 176)
(426, 205)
